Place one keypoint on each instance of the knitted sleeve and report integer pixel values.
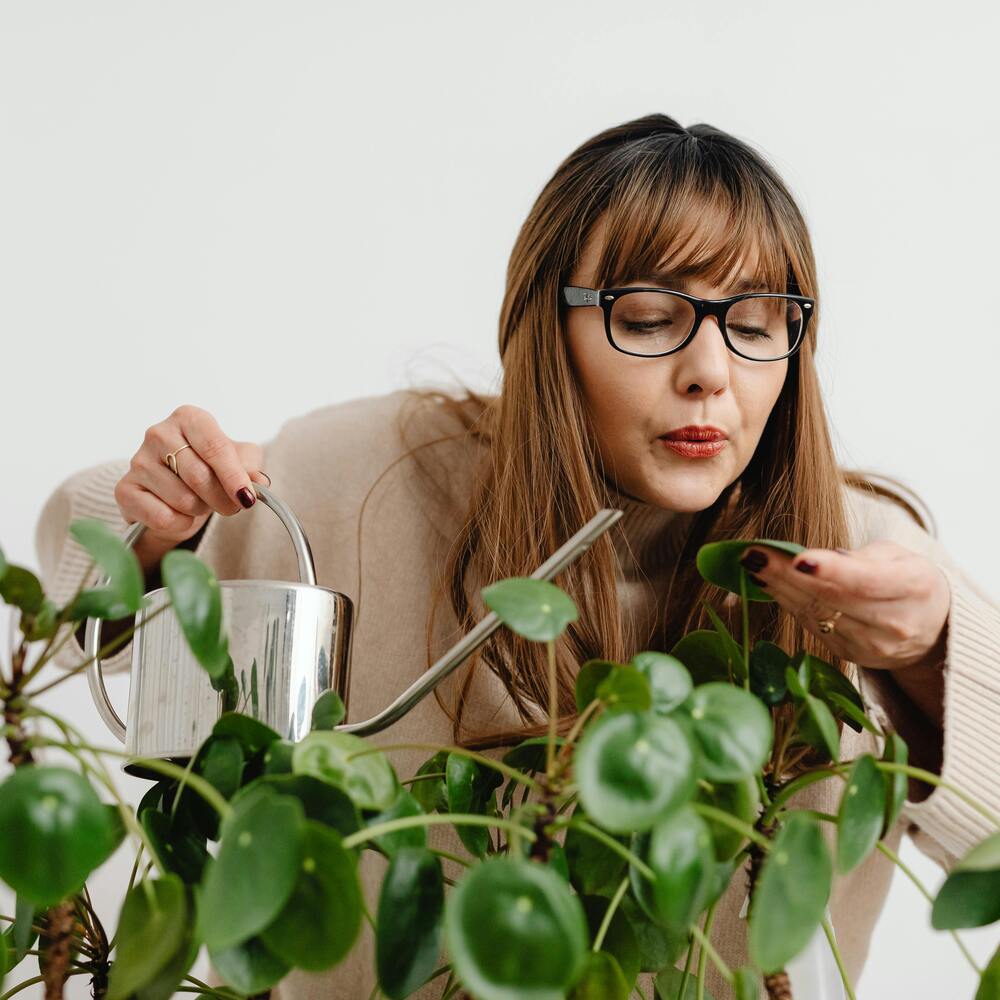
(943, 826)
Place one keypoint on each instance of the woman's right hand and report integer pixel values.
(210, 476)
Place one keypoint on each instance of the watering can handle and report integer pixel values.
(92, 637)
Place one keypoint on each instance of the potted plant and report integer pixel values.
(590, 857)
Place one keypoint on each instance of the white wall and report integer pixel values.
(257, 208)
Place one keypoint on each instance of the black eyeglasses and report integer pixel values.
(653, 322)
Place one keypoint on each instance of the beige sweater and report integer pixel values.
(323, 462)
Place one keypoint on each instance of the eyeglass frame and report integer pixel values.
(605, 298)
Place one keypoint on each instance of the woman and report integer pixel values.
(475, 488)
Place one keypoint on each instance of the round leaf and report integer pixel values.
(895, 752)
(535, 609)
(514, 927)
(719, 563)
(626, 687)
(321, 919)
(588, 679)
(862, 812)
(620, 940)
(738, 798)
(325, 803)
(704, 655)
(197, 604)
(602, 979)
(732, 728)
(594, 868)
(409, 927)
(152, 925)
(669, 680)
(414, 836)
(768, 663)
(256, 869)
(791, 894)
(252, 733)
(328, 755)
(328, 711)
(249, 967)
(633, 768)
(970, 895)
(56, 831)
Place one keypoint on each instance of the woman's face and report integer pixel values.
(633, 401)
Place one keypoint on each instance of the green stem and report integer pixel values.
(550, 744)
(511, 772)
(911, 875)
(686, 974)
(207, 791)
(608, 841)
(609, 913)
(721, 816)
(214, 990)
(745, 611)
(38, 979)
(435, 819)
(707, 951)
(793, 786)
(828, 931)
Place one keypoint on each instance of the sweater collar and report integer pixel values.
(647, 536)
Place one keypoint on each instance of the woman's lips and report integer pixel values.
(696, 449)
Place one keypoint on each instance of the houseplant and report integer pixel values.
(590, 857)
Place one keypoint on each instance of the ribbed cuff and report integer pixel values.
(971, 755)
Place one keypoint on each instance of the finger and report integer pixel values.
(217, 450)
(809, 608)
(170, 488)
(844, 581)
(140, 504)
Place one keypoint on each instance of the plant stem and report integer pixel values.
(609, 913)
(707, 951)
(721, 816)
(434, 819)
(828, 931)
(686, 974)
(911, 875)
(550, 745)
(38, 979)
(745, 613)
(511, 772)
(785, 792)
(934, 779)
(215, 990)
(598, 834)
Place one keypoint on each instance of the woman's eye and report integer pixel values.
(751, 332)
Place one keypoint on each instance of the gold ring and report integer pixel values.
(828, 624)
(171, 459)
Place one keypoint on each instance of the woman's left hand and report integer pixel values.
(894, 603)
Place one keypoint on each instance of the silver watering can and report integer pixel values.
(289, 643)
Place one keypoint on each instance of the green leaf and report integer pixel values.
(409, 926)
(56, 831)
(535, 609)
(970, 895)
(513, 927)
(719, 563)
(680, 852)
(850, 713)
(791, 894)
(116, 559)
(249, 967)
(152, 925)
(325, 803)
(178, 850)
(819, 728)
(989, 982)
(633, 768)
(620, 940)
(258, 863)
(21, 935)
(657, 949)
(669, 680)
(731, 649)
(328, 711)
(895, 752)
(828, 681)
(219, 760)
(197, 604)
(278, 757)
(20, 588)
(470, 790)
(626, 687)
(432, 794)
(704, 655)
(668, 984)
(602, 979)
(738, 798)
(768, 663)
(862, 812)
(594, 869)
(732, 728)
(329, 755)
(252, 733)
(589, 678)
(166, 982)
(320, 921)
(415, 836)
(746, 983)
(529, 755)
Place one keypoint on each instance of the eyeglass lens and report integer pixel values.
(763, 328)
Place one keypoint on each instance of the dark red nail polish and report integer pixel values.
(754, 561)
(806, 566)
(245, 497)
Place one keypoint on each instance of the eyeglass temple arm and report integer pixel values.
(576, 296)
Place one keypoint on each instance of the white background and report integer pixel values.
(263, 208)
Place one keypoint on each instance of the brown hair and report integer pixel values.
(651, 179)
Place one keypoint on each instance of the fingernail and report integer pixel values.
(754, 560)
(245, 497)
(757, 580)
(806, 566)
(843, 552)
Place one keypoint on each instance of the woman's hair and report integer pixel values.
(652, 180)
